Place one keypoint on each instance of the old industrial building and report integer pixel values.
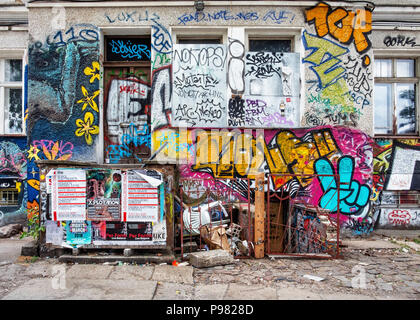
(120, 117)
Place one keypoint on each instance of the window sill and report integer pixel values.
(12, 135)
(415, 136)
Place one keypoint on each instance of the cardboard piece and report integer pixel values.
(215, 237)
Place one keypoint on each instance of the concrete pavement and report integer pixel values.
(10, 249)
(48, 280)
(369, 270)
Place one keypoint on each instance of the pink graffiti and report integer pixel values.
(13, 163)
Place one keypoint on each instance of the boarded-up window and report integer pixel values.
(127, 99)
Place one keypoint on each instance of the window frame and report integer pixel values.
(401, 199)
(4, 85)
(132, 66)
(270, 33)
(261, 37)
(393, 80)
(12, 195)
(199, 33)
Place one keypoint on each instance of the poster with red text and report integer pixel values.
(68, 194)
(141, 198)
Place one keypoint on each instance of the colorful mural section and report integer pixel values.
(396, 187)
(338, 69)
(190, 86)
(13, 185)
(309, 160)
(63, 92)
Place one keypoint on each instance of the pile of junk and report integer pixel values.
(216, 225)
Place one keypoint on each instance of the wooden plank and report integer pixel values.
(259, 216)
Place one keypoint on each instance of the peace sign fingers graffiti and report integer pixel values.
(351, 196)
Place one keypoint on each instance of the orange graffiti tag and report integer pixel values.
(341, 24)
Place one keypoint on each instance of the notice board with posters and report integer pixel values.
(106, 207)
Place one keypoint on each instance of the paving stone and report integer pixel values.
(38, 289)
(403, 277)
(169, 273)
(89, 271)
(384, 286)
(132, 272)
(43, 269)
(373, 271)
(112, 289)
(11, 272)
(296, 294)
(412, 284)
(341, 296)
(210, 292)
(241, 292)
(173, 291)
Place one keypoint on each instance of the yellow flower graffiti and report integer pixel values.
(93, 72)
(86, 128)
(33, 153)
(89, 100)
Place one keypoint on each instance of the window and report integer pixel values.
(395, 97)
(11, 96)
(127, 77)
(392, 199)
(270, 45)
(199, 41)
(9, 197)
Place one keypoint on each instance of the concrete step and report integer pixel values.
(138, 259)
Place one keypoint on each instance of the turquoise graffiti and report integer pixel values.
(351, 196)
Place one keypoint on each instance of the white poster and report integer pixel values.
(53, 232)
(272, 91)
(140, 200)
(199, 85)
(69, 195)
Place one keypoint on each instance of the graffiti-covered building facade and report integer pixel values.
(13, 94)
(147, 94)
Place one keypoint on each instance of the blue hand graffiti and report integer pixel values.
(352, 197)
